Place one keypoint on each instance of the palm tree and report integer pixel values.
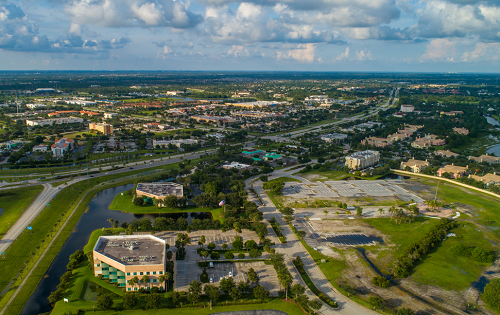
(325, 212)
(145, 279)
(348, 213)
(111, 221)
(168, 277)
(337, 214)
(380, 211)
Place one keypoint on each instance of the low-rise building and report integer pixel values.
(454, 171)
(11, 144)
(447, 153)
(334, 137)
(461, 131)
(376, 142)
(40, 148)
(236, 165)
(52, 121)
(177, 143)
(407, 108)
(363, 159)
(110, 115)
(272, 156)
(103, 128)
(159, 190)
(217, 136)
(123, 257)
(61, 147)
(488, 179)
(490, 159)
(33, 106)
(252, 153)
(416, 166)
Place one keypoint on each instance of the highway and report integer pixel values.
(49, 192)
(373, 112)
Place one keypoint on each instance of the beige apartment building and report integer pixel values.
(105, 129)
(121, 258)
(416, 166)
(363, 159)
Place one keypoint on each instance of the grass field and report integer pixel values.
(14, 202)
(485, 208)
(450, 272)
(273, 304)
(400, 235)
(46, 221)
(124, 203)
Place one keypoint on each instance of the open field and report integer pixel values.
(14, 202)
(450, 272)
(46, 221)
(124, 203)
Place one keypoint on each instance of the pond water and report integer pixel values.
(492, 121)
(95, 218)
(394, 176)
(354, 239)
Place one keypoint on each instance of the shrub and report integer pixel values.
(482, 255)
(381, 282)
(460, 250)
(241, 255)
(229, 255)
(491, 295)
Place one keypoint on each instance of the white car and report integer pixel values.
(211, 280)
(230, 274)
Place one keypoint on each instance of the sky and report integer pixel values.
(301, 35)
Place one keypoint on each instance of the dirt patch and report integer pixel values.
(343, 227)
(313, 177)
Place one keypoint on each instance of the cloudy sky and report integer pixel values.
(317, 35)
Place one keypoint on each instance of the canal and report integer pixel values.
(95, 218)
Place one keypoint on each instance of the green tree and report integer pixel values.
(104, 301)
(376, 301)
(405, 311)
(176, 297)
(202, 240)
(227, 284)
(153, 301)
(491, 295)
(237, 243)
(315, 304)
(171, 201)
(228, 255)
(254, 253)
(235, 293)
(359, 212)
(138, 201)
(145, 279)
(212, 291)
(129, 301)
(297, 289)
(252, 275)
(260, 292)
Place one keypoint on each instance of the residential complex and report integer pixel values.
(105, 129)
(453, 171)
(61, 147)
(363, 159)
(416, 166)
(121, 258)
(57, 121)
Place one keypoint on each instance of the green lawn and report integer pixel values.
(65, 201)
(14, 202)
(124, 203)
(286, 179)
(273, 304)
(486, 208)
(450, 272)
(400, 237)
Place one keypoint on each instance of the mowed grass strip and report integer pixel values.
(124, 203)
(20, 250)
(14, 202)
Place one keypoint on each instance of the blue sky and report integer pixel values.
(316, 35)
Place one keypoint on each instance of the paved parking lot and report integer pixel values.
(350, 189)
(268, 277)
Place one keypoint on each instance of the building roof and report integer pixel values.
(488, 178)
(446, 153)
(131, 250)
(485, 158)
(253, 152)
(453, 169)
(412, 162)
(272, 155)
(160, 189)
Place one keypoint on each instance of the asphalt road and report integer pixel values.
(373, 112)
(293, 247)
(49, 192)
